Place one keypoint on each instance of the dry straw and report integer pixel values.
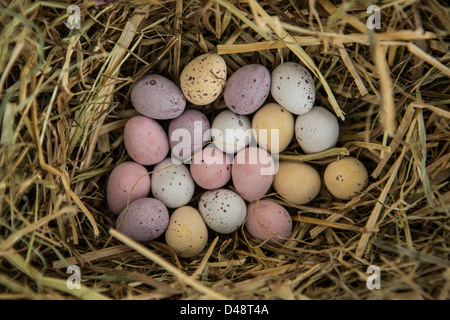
(64, 100)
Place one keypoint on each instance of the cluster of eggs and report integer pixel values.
(240, 145)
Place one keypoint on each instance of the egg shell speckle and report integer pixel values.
(157, 97)
(203, 79)
(145, 140)
(270, 117)
(247, 89)
(173, 185)
(316, 130)
(252, 172)
(188, 133)
(231, 132)
(126, 177)
(223, 210)
(345, 177)
(211, 168)
(186, 233)
(145, 219)
(293, 87)
(298, 183)
(267, 220)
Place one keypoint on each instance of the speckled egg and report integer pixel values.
(231, 132)
(145, 219)
(203, 79)
(316, 130)
(268, 221)
(273, 127)
(145, 140)
(223, 210)
(186, 233)
(297, 182)
(211, 168)
(252, 172)
(293, 87)
(128, 179)
(188, 133)
(346, 177)
(157, 97)
(247, 89)
(172, 183)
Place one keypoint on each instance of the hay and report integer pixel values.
(65, 100)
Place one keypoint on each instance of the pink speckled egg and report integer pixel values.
(267, 220)
(127, 177)
(252, 172)
(145, 140)
(211, 168)
(145, 219)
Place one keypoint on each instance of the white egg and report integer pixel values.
(317, 130)
(172, 183)
(223, 210)
(293, 87)
(231, 132)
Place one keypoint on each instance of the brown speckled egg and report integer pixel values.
(346, 177)
(203, 79)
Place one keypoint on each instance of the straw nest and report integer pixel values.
(65, 100)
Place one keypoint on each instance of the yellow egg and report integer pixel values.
(186, 233)
(297, 182)
(270, 117)
(203, 79)
(346, 177)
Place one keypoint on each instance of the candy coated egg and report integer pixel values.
(145, 140)
(211, 168)
(345, 177)
(127, 177)
(296, 182)
(203, 79)
(273, 127)
(231, 132)
(172, 183)
(293, 87)
(186, 233)
(252, 172)
(223, 210)
(267, 220)
(144, 219)
(157, 97)
(316, 130)
(247, 89)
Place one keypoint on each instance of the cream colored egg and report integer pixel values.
(298, 183)
(203, 79)
(346, 177)
(273, 127)
(186, 233)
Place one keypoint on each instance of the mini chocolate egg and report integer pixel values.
(211, 168)
(345, 177)
(186, 233)
(316, 130)
(231, 132)
(273, 127)
(157, 97)
(188, 133)
(293, 87)
(128, 179)
(296, 182)
(268, 221)
(252, 172)
(144, 219)
(247, 89)
(223, 210)
(203, 79)
(145, 140)
(172, 183)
